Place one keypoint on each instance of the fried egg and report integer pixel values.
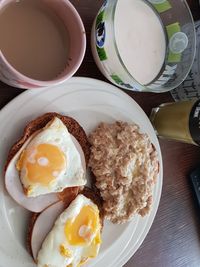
(50, 162)
(75, 236)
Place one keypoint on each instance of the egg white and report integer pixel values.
(49, 253)
(56, 133)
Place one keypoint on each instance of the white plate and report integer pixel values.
(89, 101)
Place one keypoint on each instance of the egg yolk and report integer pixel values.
(42, 164)
(82, 229)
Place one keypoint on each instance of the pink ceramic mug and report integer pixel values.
(66, 11)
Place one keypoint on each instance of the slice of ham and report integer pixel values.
(43, 225)
(15, 189)
(40, 225)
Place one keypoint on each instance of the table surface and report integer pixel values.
(174, 238)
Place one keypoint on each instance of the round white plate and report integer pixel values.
(89, 101)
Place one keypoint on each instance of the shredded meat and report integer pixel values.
(125, 164)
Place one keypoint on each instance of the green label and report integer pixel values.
(102, 53)
(119, 81)
(116, 79)
(171, 30)
(162, 7)
(100, 36)
(100, 18)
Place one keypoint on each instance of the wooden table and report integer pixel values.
(174, 238)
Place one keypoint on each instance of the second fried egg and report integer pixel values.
(75, 236)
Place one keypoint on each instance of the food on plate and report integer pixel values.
(125, 165)
(49, 158)
(50, 162)
(62, 236)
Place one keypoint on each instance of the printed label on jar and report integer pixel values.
(194, 122)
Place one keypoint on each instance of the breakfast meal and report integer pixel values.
(81, 164)
(70, 236)
(45, 173)
(125, 165)
(51, 156)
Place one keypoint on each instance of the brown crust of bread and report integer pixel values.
(87, 192)
(37, 124)
(69, 194)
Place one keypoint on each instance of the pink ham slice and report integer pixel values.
(43, 226)
(15, 189)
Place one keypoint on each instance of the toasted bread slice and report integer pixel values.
(72, 125)
(34, 126)
(58, 208)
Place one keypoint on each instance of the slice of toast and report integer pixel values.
(87, 192)
(72, 125)
(36, 125)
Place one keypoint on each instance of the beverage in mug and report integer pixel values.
(33, 39)
(42, 42)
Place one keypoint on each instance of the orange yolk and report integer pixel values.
(81, 230)
(42, 164)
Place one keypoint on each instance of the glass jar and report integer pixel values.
(178, 121)
(178, 27)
